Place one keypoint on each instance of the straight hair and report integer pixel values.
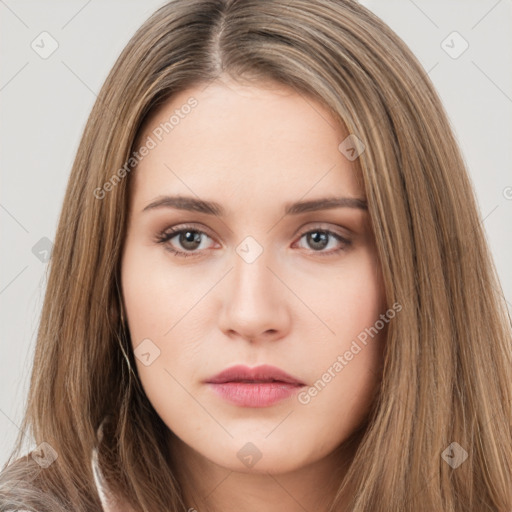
(447, 374)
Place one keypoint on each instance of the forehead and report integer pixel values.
(254, 142)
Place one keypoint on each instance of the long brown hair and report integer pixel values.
(447, 374)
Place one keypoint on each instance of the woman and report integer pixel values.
(269, 286)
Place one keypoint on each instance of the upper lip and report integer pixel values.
(263, 373)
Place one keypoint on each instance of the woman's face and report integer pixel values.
(265, 277)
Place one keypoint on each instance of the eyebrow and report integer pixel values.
(213, 208)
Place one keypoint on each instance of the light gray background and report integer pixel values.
(45, 104)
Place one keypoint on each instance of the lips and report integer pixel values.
(259, 374)
(262, 386)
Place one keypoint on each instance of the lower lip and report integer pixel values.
(262, 394)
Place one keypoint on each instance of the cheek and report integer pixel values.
(347, 376)
(165, 315)
(156, 293)
(347, 364)
(349, 299)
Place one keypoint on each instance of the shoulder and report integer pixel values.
(20, 489)
(109, 501)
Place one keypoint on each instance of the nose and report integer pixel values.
(255, 302)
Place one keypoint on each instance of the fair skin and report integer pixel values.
(297, 306)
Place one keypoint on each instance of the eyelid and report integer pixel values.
(343, 240)
(200, 228)
(321, 226)
(324, 226)
(171, 232)
(168, 233)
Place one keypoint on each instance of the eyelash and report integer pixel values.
(168, 234)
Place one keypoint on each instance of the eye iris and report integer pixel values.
(318, 238)
(190, 237)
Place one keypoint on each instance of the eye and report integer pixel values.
(188, 238)
(319, 239)
(189, 241)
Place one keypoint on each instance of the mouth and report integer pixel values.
(258, 375)
(262, 386)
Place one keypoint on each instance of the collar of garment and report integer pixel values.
(109, 502)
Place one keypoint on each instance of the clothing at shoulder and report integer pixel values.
(109, 502)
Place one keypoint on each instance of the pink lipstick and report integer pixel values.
(261, 386)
